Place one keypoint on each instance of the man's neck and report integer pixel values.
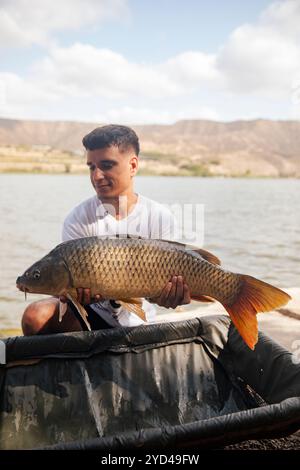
(119, 207)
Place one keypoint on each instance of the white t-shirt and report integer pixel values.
(148, 219)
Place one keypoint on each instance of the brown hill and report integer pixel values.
(247, 148)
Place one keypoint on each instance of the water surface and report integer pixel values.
(253, 225)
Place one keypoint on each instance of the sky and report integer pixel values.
(149, 61)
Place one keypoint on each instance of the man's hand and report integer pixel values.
(83, 296)
(175, 293)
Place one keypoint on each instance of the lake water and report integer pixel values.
(253, 225)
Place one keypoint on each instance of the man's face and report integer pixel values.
(111, 171)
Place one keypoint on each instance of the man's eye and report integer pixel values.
(106, 166)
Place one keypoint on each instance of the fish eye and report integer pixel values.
(36, 274)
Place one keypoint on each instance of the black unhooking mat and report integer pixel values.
(190, 383)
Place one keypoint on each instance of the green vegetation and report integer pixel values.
(197, 169)
(145, 172)
(159, 157)
(152, 155)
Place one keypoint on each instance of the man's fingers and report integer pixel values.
(83, 295)
(86, 296)
(80, 295)
(186, 295)
(175, 293)
(180, 293)
(172, 293)
(179, 289)
(163, 298)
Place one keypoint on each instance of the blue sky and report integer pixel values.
(137, 62)
(157, 30)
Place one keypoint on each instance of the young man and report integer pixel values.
(112, 158)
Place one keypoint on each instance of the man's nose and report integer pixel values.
(98, 174)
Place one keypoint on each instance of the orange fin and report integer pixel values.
(62, 310)
(207, 256)
(80, 309)
(202, 298)
(134, 305)
(255, 296)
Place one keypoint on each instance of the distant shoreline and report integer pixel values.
(146, 173)
(256, 148)
(48, 160)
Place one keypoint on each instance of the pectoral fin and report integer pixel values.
(63, 306)
(134, 305)
(81, 310)
(202, 298)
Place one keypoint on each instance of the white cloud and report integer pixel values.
(26, 22)
(283, 16)
(85, 70)
(260, 59)
(264, 57)
(20, 96)
(192, 68)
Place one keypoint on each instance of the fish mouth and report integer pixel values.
(20, 285)
(22, 288)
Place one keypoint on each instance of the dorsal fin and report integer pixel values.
(207, 256)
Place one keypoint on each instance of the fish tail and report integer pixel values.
(255, 296)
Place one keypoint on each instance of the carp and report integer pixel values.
(129, 268)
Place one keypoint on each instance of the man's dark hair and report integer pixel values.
(122, 137)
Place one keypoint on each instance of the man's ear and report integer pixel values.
(134, 164)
